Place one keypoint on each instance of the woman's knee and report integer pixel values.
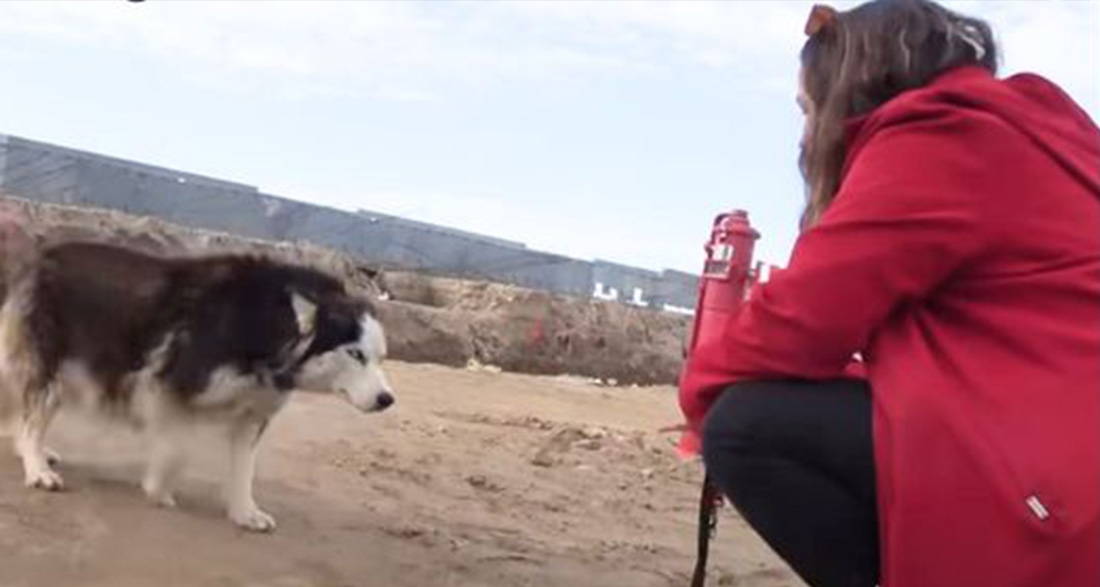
(736, 425)
(811, 421)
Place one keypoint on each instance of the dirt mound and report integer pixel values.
(429, 319)
(531, 331)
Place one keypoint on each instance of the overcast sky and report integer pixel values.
(612, 130)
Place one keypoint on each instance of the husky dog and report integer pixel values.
(165, 342)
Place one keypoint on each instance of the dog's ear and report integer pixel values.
(305, 312)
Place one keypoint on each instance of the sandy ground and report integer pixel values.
(475, 478)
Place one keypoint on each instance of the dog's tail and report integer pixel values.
(18, 247)
(16, 359)
(18, 250)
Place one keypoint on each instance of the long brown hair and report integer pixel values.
(856, 60)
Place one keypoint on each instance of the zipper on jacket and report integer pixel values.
(1037, 507)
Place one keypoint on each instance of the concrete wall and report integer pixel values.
(50, 173)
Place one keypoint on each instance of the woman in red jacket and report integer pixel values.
(951, 240)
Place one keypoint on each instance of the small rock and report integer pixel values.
(559, 443)
(482, 482)
(647, 474)
(543, 459)
(405, 532)
(475, 365)
(589, 444)
(594, 432)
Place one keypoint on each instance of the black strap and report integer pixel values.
(708, 523)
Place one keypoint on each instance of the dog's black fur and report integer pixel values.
(110, 306)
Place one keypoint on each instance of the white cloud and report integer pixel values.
(1059, 40)
(415, 49)
(389, 49)
(421, 50)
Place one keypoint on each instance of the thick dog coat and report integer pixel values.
(166, 342)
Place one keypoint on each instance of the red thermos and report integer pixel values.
(723, 286)
(727, 274)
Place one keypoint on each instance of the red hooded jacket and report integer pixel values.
(961, 258)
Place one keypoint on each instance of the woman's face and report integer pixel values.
(806, 105)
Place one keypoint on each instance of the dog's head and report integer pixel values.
(341, 349)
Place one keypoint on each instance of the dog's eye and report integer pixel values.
(358, 355)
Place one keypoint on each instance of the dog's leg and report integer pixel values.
(52, 458)
(27, 402)
(165, 426)
(39, 409)
(164, 467)
(244, 438)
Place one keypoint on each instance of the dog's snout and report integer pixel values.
(385, 400)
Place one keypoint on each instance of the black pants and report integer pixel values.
(795, 459)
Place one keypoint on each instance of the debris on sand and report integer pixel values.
(589, 438)
(484, 483)
(477, 366)
(557, 445)
(589, 444)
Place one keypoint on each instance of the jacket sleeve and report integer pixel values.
(909, 214)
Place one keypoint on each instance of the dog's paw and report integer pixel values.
(163, 499)
(157, 493)
(52, 458)
(46, 479)
(253, 520)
